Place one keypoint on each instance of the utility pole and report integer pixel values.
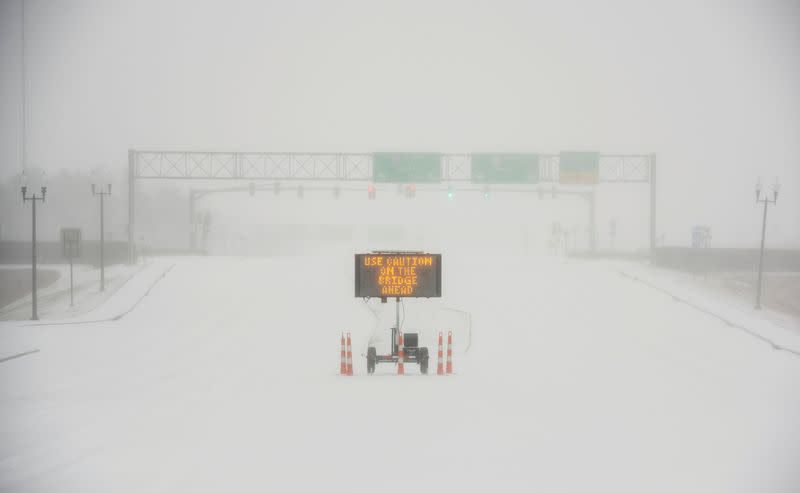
(652, 207)
(24, 84)
(766, 201)
(131, 204)
(33, 199)
(71, 249)
(102, 193)
(192, 222)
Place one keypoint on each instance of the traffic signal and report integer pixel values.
(371, 192)
(451, 193)
(300, 191)
(251, 187)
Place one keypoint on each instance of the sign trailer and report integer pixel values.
(398, 275)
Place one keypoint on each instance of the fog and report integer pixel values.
(711, 89)
(600, 343)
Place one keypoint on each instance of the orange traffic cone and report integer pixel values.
(449, 352)
(401, 369)
(343, 364)
(349, 356)
(440, 357)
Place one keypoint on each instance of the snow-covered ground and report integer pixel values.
(54, 299)
(220, 374)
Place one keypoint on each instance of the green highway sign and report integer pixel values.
(579, 168)
(505, 168)
(406, 167)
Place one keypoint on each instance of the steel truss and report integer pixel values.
(290, 166)
(355, 167)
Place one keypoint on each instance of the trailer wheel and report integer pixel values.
(423, 360)
(372, 358)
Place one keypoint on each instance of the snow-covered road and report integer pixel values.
(223, 378)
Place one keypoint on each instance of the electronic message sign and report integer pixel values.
(505, 168)
(398, 275)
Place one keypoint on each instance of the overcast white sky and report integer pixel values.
(712, 87)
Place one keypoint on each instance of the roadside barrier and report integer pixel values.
(401, 370)
(440, 358)
(449, 352)
(349, 357)
(343, 359)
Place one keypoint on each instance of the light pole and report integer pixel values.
(766, 201)
(102, 193)
(33, 198)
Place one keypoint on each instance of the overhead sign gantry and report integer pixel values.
(516, 170)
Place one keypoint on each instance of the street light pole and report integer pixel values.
(766, 201)
(33, 198)
(102, 193)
